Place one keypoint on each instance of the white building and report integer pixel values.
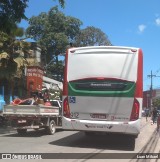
(51, 83)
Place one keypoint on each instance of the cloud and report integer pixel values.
(141, 28)
(158, 21)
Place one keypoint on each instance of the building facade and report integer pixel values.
(147, 97)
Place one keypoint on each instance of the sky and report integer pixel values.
(133, 23)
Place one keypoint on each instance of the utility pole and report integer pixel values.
(151, 89)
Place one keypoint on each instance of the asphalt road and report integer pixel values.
(75, 146)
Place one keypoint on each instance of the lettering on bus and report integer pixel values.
(74, 115)
(121, 118)
(99, 126)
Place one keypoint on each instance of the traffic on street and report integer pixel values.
(76, 146)
(79, 81)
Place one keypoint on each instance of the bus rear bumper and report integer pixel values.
(130, 127)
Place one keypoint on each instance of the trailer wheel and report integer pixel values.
(51, 129)
(21, 131)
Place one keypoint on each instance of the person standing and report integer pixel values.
(35, 98)
(146, 113)
(154, 115)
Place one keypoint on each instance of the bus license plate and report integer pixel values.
(98, 116)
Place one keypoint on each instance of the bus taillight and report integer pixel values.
(66, 109)
(135, 110)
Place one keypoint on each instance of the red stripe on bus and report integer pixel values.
(139, 84)
(100, 78)
(65, 82)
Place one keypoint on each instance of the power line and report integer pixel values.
(151, 76)
(151, 87)
(157, 71)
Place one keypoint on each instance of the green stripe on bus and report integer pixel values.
(127, 92)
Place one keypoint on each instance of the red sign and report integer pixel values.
(34, 78)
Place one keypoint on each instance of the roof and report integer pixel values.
(53, 82)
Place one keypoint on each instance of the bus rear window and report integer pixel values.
(96, 85)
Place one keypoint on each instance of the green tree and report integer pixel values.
(53, 31)
(91, 36)
(53, 68)
(12, 60)
(12, 51)
(13, 11)
(10, 48)
(156, 102)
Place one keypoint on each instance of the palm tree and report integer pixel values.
(12, 61)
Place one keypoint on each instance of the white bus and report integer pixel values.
(103, 89)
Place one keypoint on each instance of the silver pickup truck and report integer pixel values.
(23, 117)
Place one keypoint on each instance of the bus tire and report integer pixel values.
(132, 142)
(51, 129)
(21, 131)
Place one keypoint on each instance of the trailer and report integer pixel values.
(24, 117)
